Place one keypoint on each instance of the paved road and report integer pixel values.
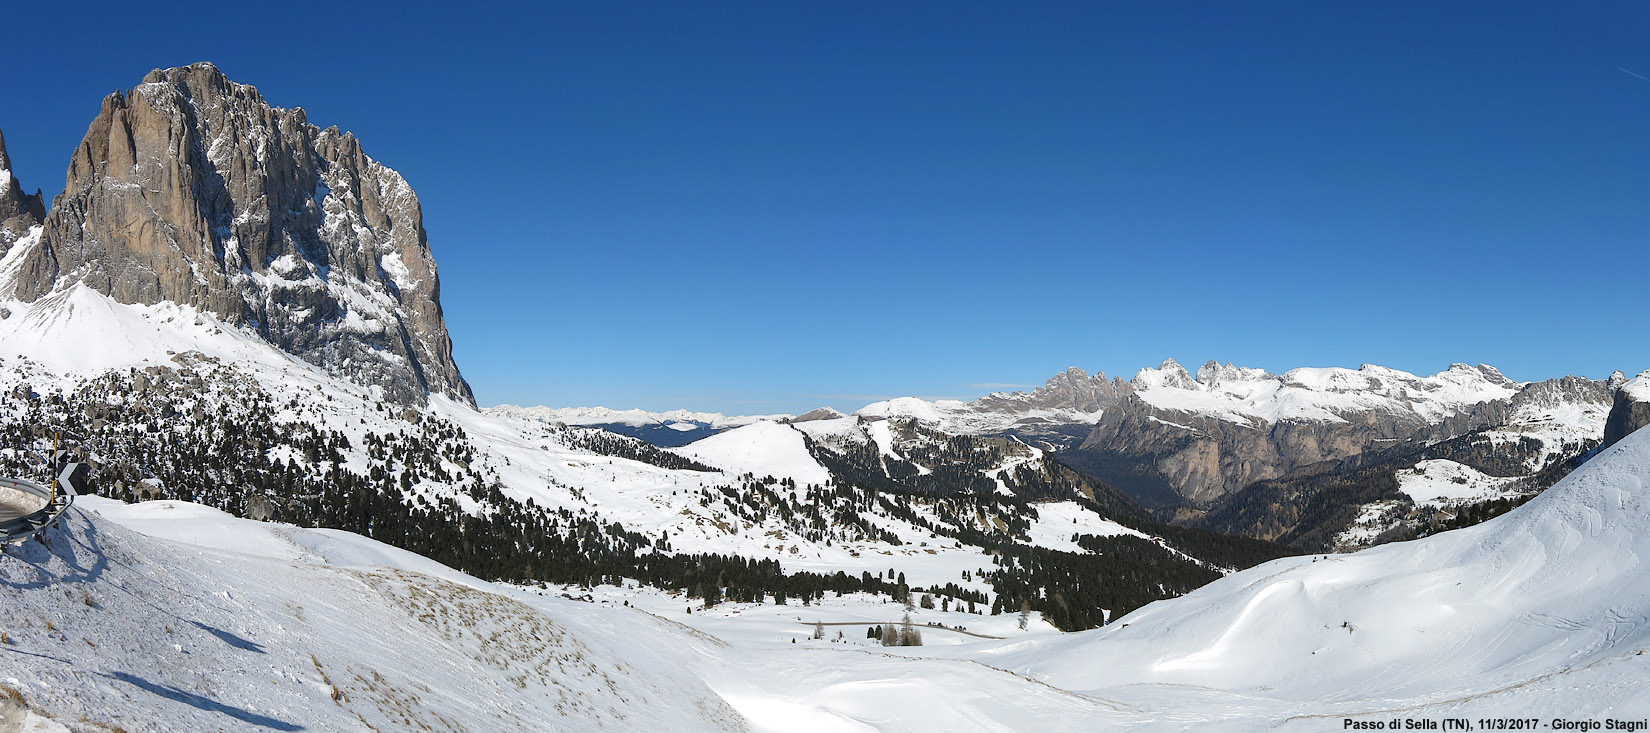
(914, 625)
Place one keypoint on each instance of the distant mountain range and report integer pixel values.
(1214, 449)
(669, 429)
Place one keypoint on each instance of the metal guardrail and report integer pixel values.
(21, 528)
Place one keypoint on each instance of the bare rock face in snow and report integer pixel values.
(1068, 395)
(1071, 390)
(1630, 410)
(191, 188)
(18, 212)
(818, 413)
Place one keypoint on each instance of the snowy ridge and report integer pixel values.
(633, 417)
(1236, 394)
(1319, 394)
(761, 449)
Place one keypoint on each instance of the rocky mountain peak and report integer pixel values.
(1484, 372)
(1630, 408)
(190, 188)
(819, 413)
(19, 212)
(1075, 390)
(1168, 374)
(1213, 374)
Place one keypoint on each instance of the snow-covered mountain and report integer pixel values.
(670, 428)
(1210, 448)
(155, 356)
(191, 189)
(1240, 395)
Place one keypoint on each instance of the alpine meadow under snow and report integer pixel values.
(303, 522)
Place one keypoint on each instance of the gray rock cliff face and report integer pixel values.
(191, 188)
(1072, 391)
(1629, 411)
(19, 212)
(1201, 457)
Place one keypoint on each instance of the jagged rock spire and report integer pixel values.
(191, 188)
(18, 212)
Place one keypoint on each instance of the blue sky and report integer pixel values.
(768, 206)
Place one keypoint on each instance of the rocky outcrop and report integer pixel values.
(1072, 390)
(1070, 399)
(818, 413)
(1629, 411)
(19, 212)
(191, 188)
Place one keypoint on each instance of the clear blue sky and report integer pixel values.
(768, 206)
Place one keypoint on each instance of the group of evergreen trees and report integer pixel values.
(905, 634)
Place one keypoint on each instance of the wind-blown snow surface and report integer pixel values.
(269, 627)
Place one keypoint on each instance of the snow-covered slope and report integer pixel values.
(761, 449)
(1542, 611)
(255, 626)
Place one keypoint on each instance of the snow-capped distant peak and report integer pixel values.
(1319, 393)
(1168, 374)
(935, 411)
(1237, 394)
(632, 417)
